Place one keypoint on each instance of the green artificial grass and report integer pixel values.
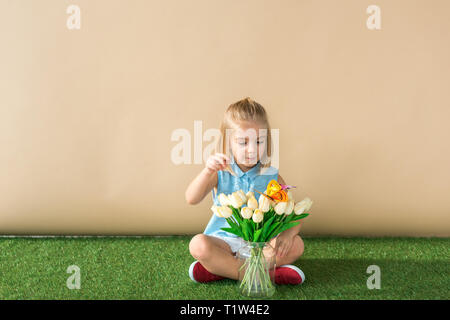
(157, 268)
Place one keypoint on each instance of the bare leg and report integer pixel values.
(215, 255)
(294, 253)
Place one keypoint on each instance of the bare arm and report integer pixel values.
(207, 178)
(201, 186)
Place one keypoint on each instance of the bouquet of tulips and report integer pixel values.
(260, 221)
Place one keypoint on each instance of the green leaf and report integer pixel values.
(272, 230)
(303, 215)
(231, 230)
(236, 214)
(245, 230)
(257, 234)
(252, 226)
(289, 218)
(266, 227)
(268, 215)
(235, 227)
(231, 223)
(287, 226)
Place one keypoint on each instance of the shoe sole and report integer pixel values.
(191, 271)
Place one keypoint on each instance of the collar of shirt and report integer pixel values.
(250, 173)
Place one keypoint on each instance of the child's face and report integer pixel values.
(248, 143)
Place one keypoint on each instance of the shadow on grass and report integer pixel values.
(347, 279)
(399, 279)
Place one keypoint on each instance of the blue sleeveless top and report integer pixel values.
(255, 178)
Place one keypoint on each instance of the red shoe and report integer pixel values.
(289, 274)
(198, 273)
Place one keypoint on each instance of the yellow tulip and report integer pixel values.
(246, 212)
(264, 203)
(225, 212)
(252, 203)
(258, 216)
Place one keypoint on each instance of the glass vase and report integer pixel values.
(256, 272)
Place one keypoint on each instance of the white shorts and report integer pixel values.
(235, 243)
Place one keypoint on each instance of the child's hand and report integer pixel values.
(283, 244)
(216, 162)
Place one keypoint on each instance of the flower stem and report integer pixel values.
(256, 279)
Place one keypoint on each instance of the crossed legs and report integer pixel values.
(216, 255)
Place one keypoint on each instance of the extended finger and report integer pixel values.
(221, 161)
(280, 249)
(224, 157)
(217, 163)
(283, 253)
(287, 248)
(277, 248)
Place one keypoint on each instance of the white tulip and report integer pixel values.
(252, 203)
(280, 207)
(258, 216)
(302, 206)
(250, 194)
(224, 200)
(299, 208)
(264, 203)
(246, 212)
(242, 195)
(214, 209)
(310, 202)
(289, 207)
(225, 212)
(235, 200)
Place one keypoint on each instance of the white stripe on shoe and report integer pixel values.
(191, 271)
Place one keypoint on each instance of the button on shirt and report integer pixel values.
(255, 178)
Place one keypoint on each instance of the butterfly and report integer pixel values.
(276, 192)
(286, 187)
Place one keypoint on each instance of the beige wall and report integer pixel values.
(86, 115)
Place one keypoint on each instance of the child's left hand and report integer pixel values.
(284, 243)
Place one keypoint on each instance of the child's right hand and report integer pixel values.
(216, 162)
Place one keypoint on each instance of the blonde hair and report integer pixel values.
(250, 111)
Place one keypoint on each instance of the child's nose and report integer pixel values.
(251, 147)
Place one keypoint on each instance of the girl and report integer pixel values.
(246, 137)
